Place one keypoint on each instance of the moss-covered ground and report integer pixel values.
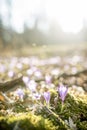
(73, 116)
(34, 75)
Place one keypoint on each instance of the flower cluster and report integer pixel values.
(62, 93)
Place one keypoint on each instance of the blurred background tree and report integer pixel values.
(43, 31)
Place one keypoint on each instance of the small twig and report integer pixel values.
(9, 85)
(65, 75)
(5, 100)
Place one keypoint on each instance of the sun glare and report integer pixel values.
(68, 13)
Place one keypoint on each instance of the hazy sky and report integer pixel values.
(68, 13)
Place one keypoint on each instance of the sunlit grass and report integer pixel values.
(43, 51)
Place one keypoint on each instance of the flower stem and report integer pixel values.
(62, 107)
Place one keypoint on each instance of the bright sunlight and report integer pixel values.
(69, 14)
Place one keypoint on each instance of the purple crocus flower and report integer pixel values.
(47, 97)
(32, 85)
(20, 93)
(62, 92)
(48, 79)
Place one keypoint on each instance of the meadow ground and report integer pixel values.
(30, 78)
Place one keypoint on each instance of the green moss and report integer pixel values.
(82, 125)
(26, 122)
(74, 108)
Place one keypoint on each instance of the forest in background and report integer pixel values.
(35, 36)
(55, 35)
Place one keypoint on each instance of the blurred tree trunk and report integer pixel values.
(1, 32)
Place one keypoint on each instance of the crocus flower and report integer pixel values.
(47, 97)
(38, 74)
(48, 79)
(62, 92)
(36, 96)
(11, 73)
(20, 93)
(25, 79)
(32, 85)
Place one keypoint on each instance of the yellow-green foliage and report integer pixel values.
(25, 122)
(82, 125)
(73, 108)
